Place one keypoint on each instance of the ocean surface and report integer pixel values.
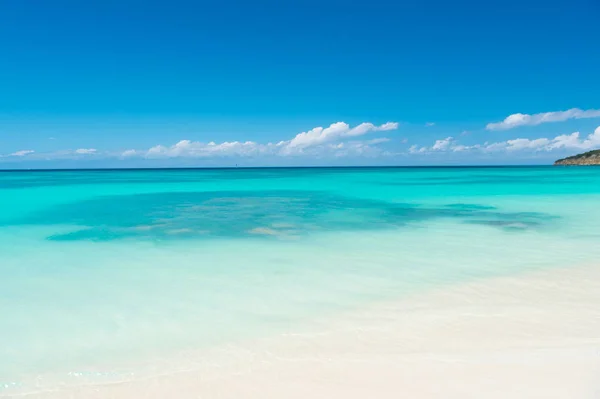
(111, 275)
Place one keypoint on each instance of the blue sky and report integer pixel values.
(262, 83)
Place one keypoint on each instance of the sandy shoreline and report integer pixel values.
(536, 335)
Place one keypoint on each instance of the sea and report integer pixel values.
(111, 275)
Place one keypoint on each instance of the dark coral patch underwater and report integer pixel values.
(274, 213)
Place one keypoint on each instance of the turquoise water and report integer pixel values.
(105, 275)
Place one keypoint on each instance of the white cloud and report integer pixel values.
(364, 148)
(414, 149)
(526, 144)
(429, 124)
(21, 153)
(572, 140)
(85, 151)
(441, 145)
(335, 132)
(565, 141)
(462, 148)
(516, 120)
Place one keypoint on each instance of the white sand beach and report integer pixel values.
(536, 335)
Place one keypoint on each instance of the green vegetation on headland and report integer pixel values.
(587, 158)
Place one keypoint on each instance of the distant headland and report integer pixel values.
(587, 158)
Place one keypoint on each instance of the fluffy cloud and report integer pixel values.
(566, 141)
(516, 120)
(335, 132)
(442, 145)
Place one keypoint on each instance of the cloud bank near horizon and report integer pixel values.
(573, 141)
(340, 140)
(517, 120)
(337, 140)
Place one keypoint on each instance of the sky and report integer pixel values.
(93, 84)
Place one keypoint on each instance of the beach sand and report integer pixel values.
(535, 335)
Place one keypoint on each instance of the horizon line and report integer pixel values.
(273, 167)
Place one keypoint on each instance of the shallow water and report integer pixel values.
(106, 274)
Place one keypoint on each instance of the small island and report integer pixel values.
(587, 158)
